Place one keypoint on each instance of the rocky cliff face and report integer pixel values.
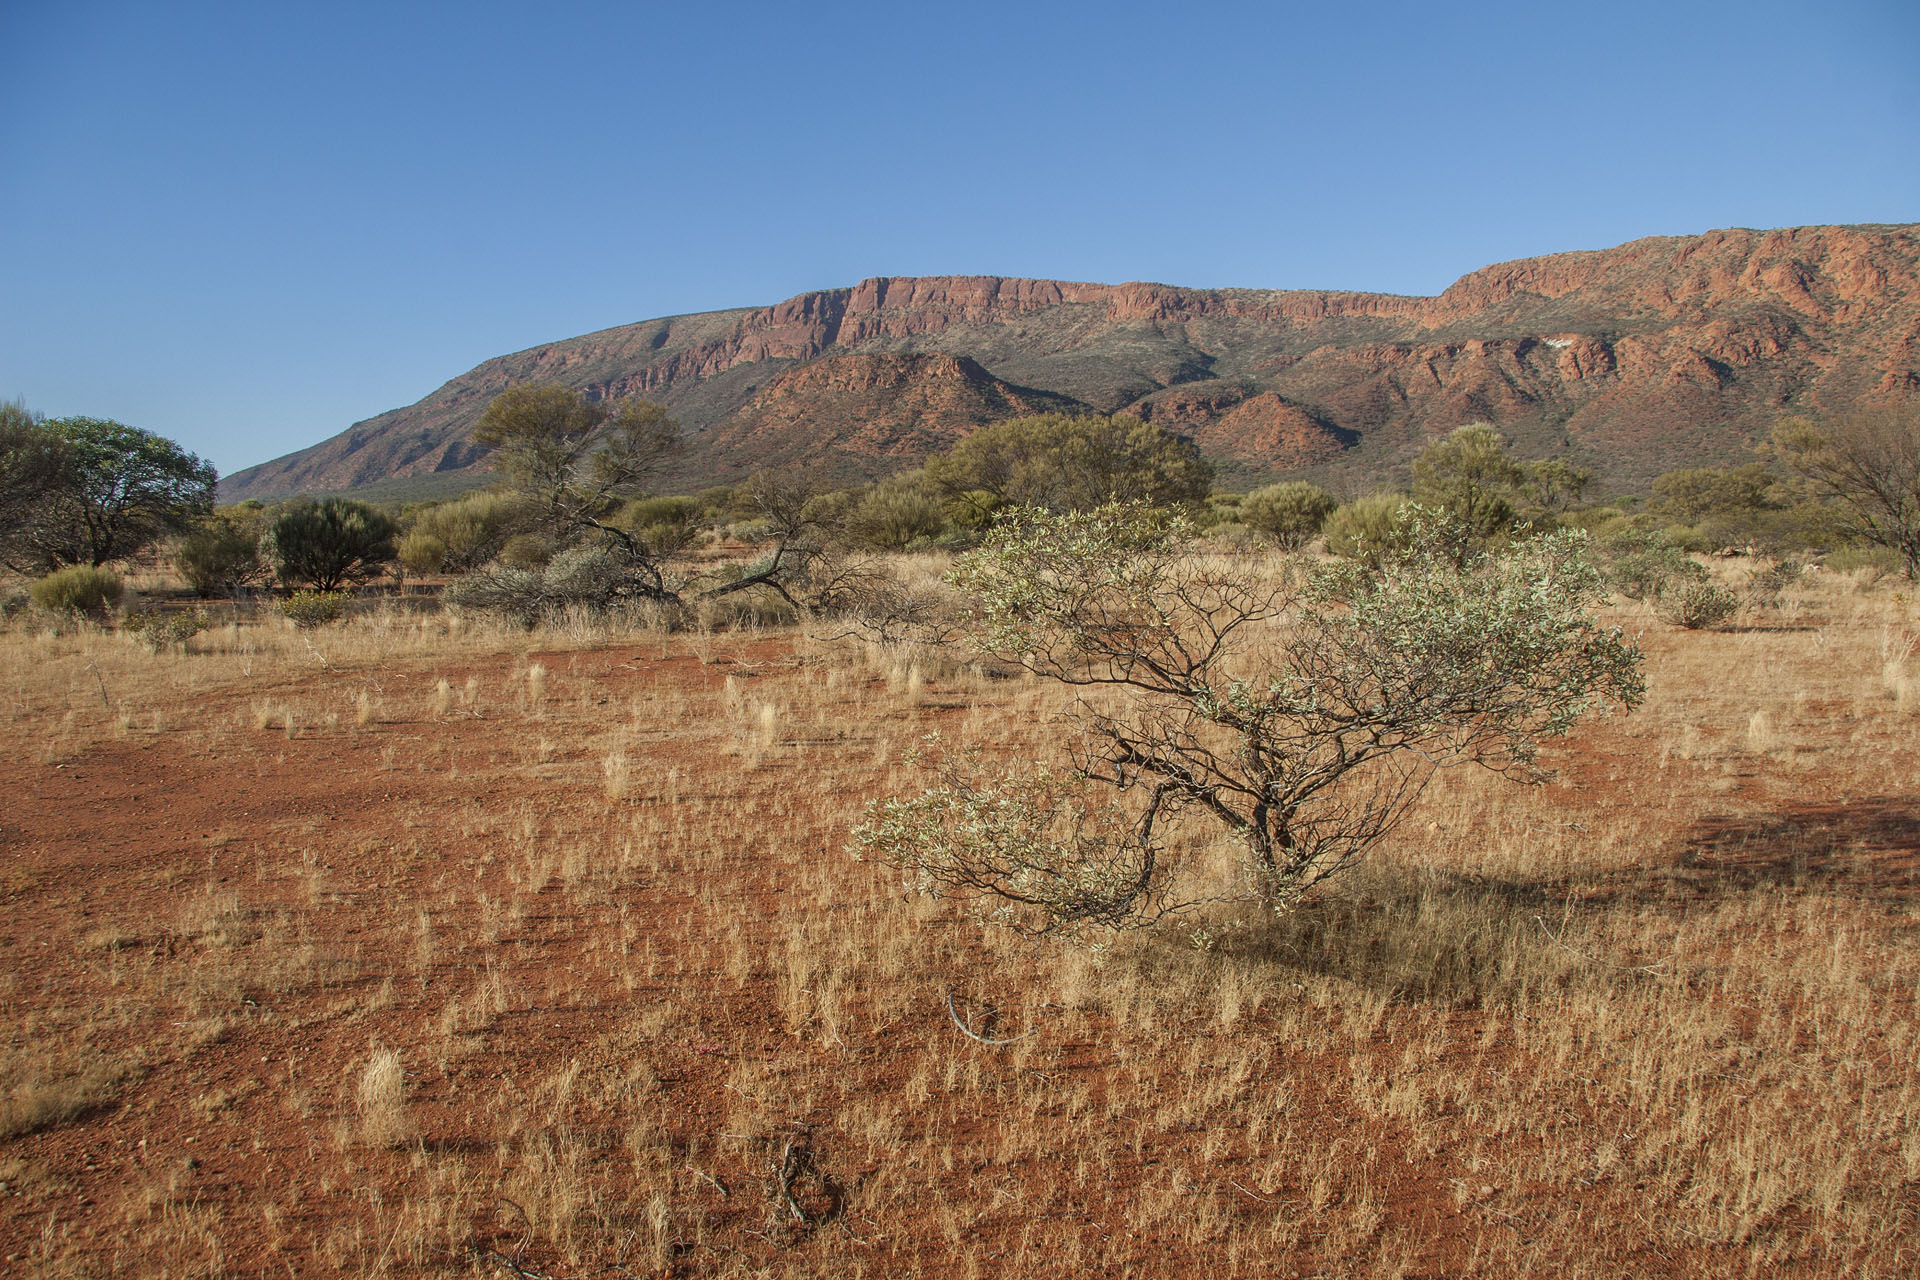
(1664, 352)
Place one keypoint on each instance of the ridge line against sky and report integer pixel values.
(246, 226)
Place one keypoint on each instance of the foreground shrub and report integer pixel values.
(80, 588)
(307, 609)
(1303, 746)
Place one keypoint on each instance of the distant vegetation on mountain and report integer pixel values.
(1629, 362)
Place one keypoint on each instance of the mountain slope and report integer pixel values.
(1664, 352)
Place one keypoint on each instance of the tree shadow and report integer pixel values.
(1868, 848)
(1434, 936)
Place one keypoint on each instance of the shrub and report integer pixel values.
(1697, 604)
(221, 553)
(1367, 529)
(459, 536)
(307, 609)
(78, 589)
(1302, 743)
(160, 631)
(1292, 513)
(1644, 564)
(329, 543)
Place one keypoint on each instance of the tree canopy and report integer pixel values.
(1058, 462)
(105, 490)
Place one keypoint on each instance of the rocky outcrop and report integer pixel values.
(1663, 352)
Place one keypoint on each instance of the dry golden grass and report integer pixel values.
(572, 974)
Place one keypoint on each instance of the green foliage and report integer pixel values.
(900, 512)
(160, 630)
(1469, 476)
(1300, 716)
(1644, 564)
(107, 491)
(308, 609)
(1056, 462)
(1291, 513)
(329, 543)
(462, 535)
(1868, 465)
(1697, 604)
(221, 552)
(1368, 529)
(78, 588)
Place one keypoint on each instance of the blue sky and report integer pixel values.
(247, 225)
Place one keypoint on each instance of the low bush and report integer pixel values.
(160, 631)
(78, 589)
(1697, 604)
(307, 609)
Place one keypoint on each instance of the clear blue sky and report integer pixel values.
(247, 225)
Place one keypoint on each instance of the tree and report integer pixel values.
(115, 490)
(1057, 462)
(1301, 716)
(576, 459)
(1869, 464)
(1291, 513)
(1469, 476)
(330, 543)
(33, 462)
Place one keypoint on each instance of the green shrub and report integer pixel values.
(1698, 604)
(1369, 528)
(160, 631)
(222, 552)
(80, 588)
(1292, 513)
(329, 543)
(460, 536)
(1644, 564)
(314, 608)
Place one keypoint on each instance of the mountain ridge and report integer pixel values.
(1665, 351)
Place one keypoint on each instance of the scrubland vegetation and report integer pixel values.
(422, 944)
(387, 934)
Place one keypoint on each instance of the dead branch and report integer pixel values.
(971, 1034)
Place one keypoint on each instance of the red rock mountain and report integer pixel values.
(1665, 352)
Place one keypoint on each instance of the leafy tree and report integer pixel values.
(33, 462)
(330, 543)
(1291, 513)
(110, 491)
(1300, 716)
(574, 460)
(1869, 465)
(1056, 462)
(1469, 476)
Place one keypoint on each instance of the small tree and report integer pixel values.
(1301, 716)
(1469, 476)
(1291, 513)
(1059, 462)
(328, 544)
(1870, 464)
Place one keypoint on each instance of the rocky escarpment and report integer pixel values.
(1659, 353)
